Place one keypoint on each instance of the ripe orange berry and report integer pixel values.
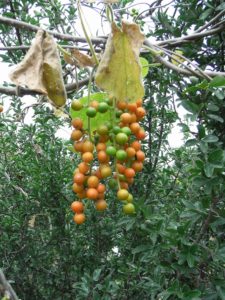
(137, 166)
(101, 188)
(101, 205)
(88, 146)
(136, 145)
(129, 173)
(78, 146)
(92, 193)
(122, 105)
(100, 146)
(120, 168)
(77, 207)
(78, 188)
(132, 107)
(140, 156)
(130, 152)
(93, 181)
(140, 112)
(77, 123)
(139, 102)
(103, 157)
(83, 167)
(124, 185)
(76, 135)
(103, 138)
(79, 178)
(133, 118)
(87, 157)
(135, 127)
(126, 118)
(130, 180)
(101, 195)
(79, 218)
(140, 135)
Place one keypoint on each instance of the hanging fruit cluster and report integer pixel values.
(110, 153)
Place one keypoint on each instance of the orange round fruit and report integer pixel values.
(135, 127)
(77, 207)
(92, 193)
(87, 157)
(76, 135)
(103, 157)
(132, 107)
(77, 123)
(140, 135)
(136, 145)
(140, 112)
(126, 118)
(137, 166)
(92, 181)
(100, 146)
(79, 178)
(78, 188)
(101, 188)
(79, 218)
(140, 156)
(78, 146)
(130, 152)
(83, 167)
(129, 173)
(101, 205)
(88, 146)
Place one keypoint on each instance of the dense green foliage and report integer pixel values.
(174, 247)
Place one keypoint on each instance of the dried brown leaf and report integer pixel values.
(40, 70)
(80, 59)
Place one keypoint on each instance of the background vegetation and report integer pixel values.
(174, 247)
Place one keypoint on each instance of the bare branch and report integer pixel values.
(13, 91)
(191, 37)
(211, 21)
(66, 37)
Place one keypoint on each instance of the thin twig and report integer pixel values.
(211, 21)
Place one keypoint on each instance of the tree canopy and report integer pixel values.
(173, 246)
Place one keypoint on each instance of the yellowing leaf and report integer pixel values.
(176, 60)
(41, 70)
(119, 71)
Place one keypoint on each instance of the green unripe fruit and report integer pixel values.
(116, 129)
(121, 155)
(103, 107)
(109, 101)
(121, 138)
(102, 130)
(129, 209)
(112, 183)
(126, 130)
(110, 150)
(91, 112)
(76, 105)
(118, 113)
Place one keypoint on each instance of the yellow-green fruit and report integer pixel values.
(122, 194)
(129, 209)
(76, 105)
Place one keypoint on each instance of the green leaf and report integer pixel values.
(144, 66)
(99, 119)
(190, 106)
(205, 14)
(96, 274)
(210, 138)
(217, 156)
(209, 169)
(215, 117)
(217, 81)
(191, 142)
(221, 6)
